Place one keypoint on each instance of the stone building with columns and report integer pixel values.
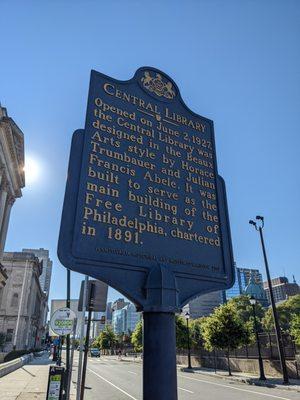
(12, 178)
(22, 302)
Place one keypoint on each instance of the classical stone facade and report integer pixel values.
(45, 278)
(12, 178)
(22, 302)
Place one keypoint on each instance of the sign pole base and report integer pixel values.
(159, 356)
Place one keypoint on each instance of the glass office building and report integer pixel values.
(125, 319)
(242, 279)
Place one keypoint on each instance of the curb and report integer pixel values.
(239, 379)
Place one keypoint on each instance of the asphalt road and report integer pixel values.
(111, 379)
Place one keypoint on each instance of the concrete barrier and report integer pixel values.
(12, 365)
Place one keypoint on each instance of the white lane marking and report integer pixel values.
(117, 387)
(131, 372)
(185, 390)
(235, 388)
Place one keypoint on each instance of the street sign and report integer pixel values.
(62, 321)
(145, 209)
(143, 196)
(96, 296)
(55, 383)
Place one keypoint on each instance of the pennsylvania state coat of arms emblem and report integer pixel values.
(157, 85)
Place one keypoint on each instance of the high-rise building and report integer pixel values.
(245, 275)
(12, 178)
(22, 302)
(132, 317)
(124, 320)
(45, 278)
(203, 305)
(242, 279)
(108, 312)
(235, 290)
(282, 288)
(119, 304)
(256, 290)
(119, 321)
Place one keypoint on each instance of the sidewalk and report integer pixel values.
(245, 378)
(28, 382)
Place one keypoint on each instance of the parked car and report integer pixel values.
(94, 352)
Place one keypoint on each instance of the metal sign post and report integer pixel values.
(145, 209)
(70, 365)
(84, 306)
(87, 339)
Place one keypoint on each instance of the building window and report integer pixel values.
(9, 335)
(14, 300)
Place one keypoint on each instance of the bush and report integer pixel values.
(15, 354)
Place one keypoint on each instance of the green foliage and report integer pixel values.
(2, 340)
(295, 328)
(95, 344)
(181, 333)
(106, 339)
(245, 311)
(224, 329)
(196, 333)
(285, 311)
(137, 337)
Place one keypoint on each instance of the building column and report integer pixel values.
(2, 173)
(9, 203)
(3, 198)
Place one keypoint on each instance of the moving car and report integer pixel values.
(94, 352)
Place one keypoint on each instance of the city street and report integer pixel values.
(111, 379)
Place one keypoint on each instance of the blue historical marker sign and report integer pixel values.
(145, 209)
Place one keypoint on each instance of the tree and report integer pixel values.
(245, 311)
(285, 311)
(137, 337)
(196, 333)
(225, 330)
(295, 328)
(181, 333)
(2, 340)
(106, 339)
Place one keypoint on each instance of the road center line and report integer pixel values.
(235, 388)
(185, 390)
(112, 384)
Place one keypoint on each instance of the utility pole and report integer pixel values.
(260, 360)
(259, 224)
(187, 316)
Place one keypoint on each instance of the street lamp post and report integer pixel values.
(187, 316)
(259, 224)
(260, 361)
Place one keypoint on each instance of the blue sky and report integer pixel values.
(235, 62)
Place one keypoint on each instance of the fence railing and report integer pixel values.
(269, 349)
